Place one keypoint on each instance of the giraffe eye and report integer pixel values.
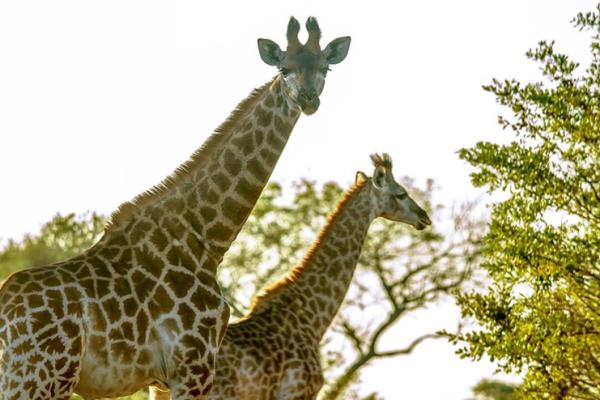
(324, 70)
(401, 196)
(284, 71)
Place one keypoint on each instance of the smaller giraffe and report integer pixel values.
(273, 352)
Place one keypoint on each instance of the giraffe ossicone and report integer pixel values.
(273, 352)
(143, 306)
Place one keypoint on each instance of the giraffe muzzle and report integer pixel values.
(423, 223)
(424, 220)
(309, 103)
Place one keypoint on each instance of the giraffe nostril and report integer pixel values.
(308, 96)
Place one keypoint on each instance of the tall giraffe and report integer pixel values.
(143, 306)
(273, 352)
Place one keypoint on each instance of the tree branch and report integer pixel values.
(353, 336)
(408, 349)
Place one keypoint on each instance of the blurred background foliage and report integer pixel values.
(488, 389)
(60, 238)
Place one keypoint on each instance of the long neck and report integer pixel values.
(314, 290)
(211, 195)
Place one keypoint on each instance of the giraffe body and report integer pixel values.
(273, 352)
(264, 357)
(273, 362)
(143, 306)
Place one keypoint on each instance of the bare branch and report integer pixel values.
(383, 327)
(351, 333)
(437, 289)
(408, 349)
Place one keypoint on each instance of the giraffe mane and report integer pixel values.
(196, 160)
(262, 299)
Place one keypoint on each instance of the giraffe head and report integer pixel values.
(304, 66)
(391, 200)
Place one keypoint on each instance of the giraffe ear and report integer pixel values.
(270, 52)
(360, 177)
(337, 50)
(379, 177)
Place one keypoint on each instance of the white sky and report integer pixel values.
(101, 100)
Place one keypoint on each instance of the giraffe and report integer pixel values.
(273, 352)
(143, 305)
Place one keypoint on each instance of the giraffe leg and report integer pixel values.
(37, 374)
(192, 389)
(191, 367)
(301, 383)
(41, 341)
(185, 394)
(298, 392)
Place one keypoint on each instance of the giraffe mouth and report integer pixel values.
(309, 106)
(422, 224)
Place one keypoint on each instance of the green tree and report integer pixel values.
(541, 315)
(61, 238)
(488, 389)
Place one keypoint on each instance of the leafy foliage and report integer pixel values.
(61, 238)
(542, 313)
(488, 389)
